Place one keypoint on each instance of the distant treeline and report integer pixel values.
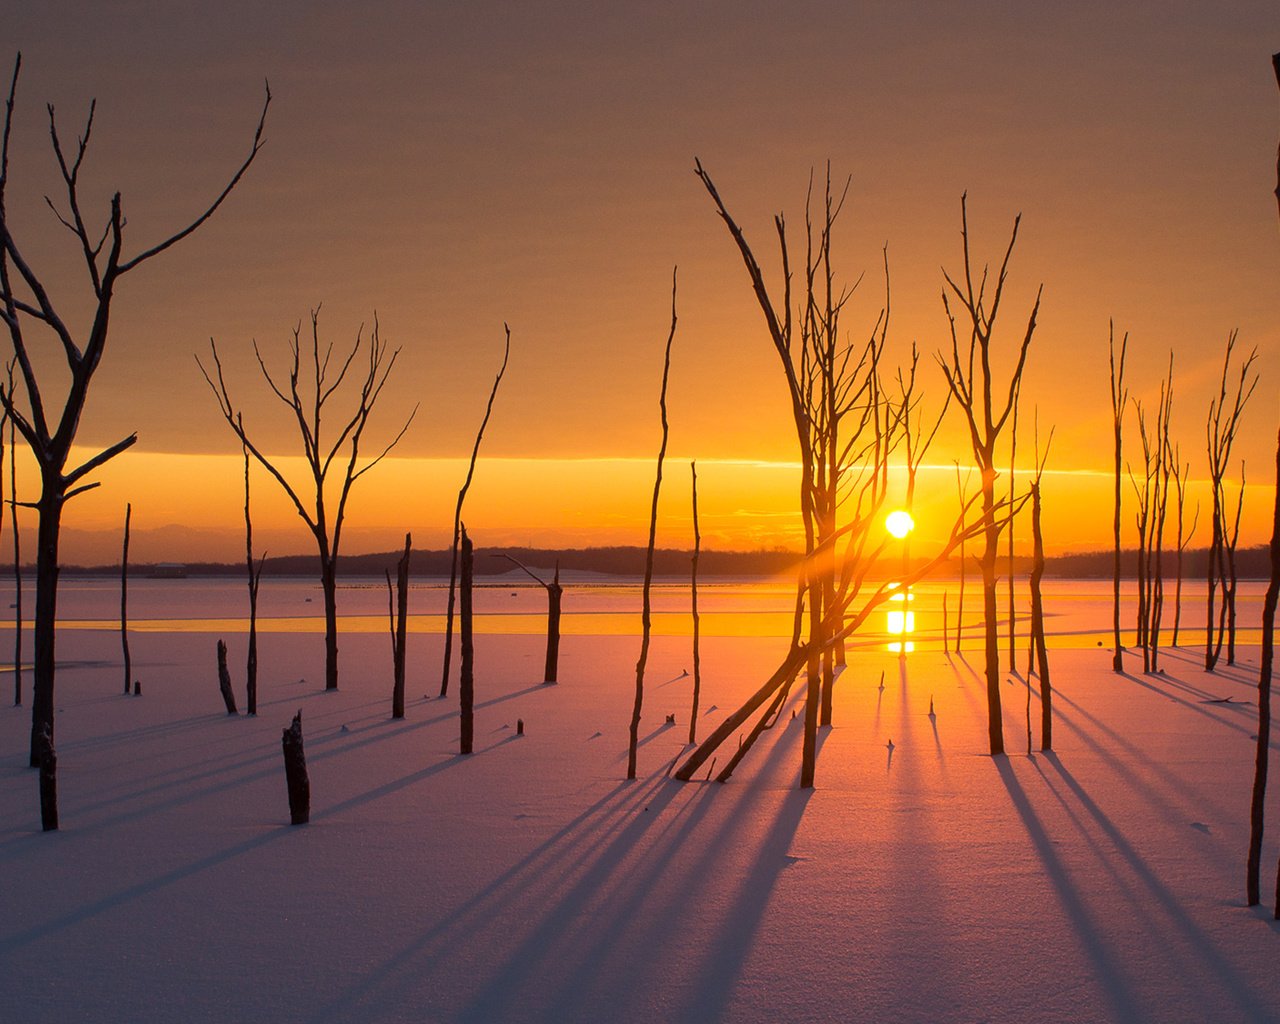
(1251, 563)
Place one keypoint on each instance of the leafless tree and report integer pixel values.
(972, 388)
(398, 612)
(307, 401)
(1013, 494)
(1180, 472)
(697, 622)
(555, 593)
(1039, 643)
(17, 551)
(1119, 402)
(255, 577)
(1258, 799)
(124, 601)
(27, 309)
(645, 610)
(962, 489)
(457, 517)
(466, 671)
(1221, 428)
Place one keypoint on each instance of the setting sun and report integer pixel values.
(899, 523)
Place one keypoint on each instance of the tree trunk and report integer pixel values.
(466, 672)
(813, 694)
(329, 584)
(401, 629)
(1037, 625)
(449, 608)
(1257, 806)
(224, 680)
(17, 573)
(295, 773)
(251, 660)
(554, 592)
(697, 622)
(48, 759)
(124, 600)
(50, 522)
(995, 724)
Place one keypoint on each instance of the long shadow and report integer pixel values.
(1233, 985)
(1115, 987)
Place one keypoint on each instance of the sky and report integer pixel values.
(453, 167)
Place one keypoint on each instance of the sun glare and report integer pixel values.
(899, 523)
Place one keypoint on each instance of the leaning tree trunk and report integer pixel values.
(1257, 805)
(224, 680)
(50, 522)
(295, 773)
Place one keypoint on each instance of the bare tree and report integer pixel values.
(1119, 401)
(457, 517)
(1180, 472)
(466, 671)
(124, 600)
(697, 622)
(1220, 429)
(1257, 809)
(307, 401)
(1038, 640)
(398, 612)
(555, 593)
(962, 488)
(17, 554)
(634, 734)
(972, 389)
(1013, 492)
(255, 577)
(26, 307)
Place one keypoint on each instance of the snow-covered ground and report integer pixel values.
(923, 881)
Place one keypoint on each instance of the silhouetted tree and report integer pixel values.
(124, 600)
(466, 671)
(224, 680)
(962, 488)
(697, 622)
(307, 402)
(1038, 640)
(398, 612)
(1013, 491)
(255, 577)
(17, 550)
(555, 592)
(295, 772)
(51, 434)
(645, 624)
(1119, 401)
(457, 516)
(1221, 427)
(1257, 807)
(1180, 472)
(973, 392)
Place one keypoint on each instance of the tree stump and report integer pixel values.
(295, 773)
(466, 680)
(224, 679)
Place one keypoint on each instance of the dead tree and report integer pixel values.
(466, 671)
(25, 304)
(697, 622)
(17, 554)
(457, 517)
(307, 402)
(1180, 472)
(962, 488)
(224, 680)
(1038, 639)
(555, 592)
(47, 762)
(124, 600)
(1231, 577)
(398, 613)
(295, 772)
(1258, 800)
(633, 741)
(1220, 429)
(255, 577)
(1013, 453)
(1119, 401)
(973, 392)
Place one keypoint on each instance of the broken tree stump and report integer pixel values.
(295, 773)
(466, 675)
(224, 680)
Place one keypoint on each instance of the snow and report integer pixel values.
(923, 881)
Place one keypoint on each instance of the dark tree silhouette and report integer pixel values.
(295, 772)
(972, 389)
(1257, 806)
(466, 671)
(457, 516)
(255, 577)
(17, 552)
(224, 680)
(124, 600)
(1181, 472)
(633, 741)
(962, 489)
(398, 612)
(1039, 644)
(697, 622)
(307, 402)
(555, 592)
(27, 308)
(1119, 401)
(1221, 428)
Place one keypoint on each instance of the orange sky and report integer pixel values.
(455, 167)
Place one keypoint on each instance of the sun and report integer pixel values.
(899, 523)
